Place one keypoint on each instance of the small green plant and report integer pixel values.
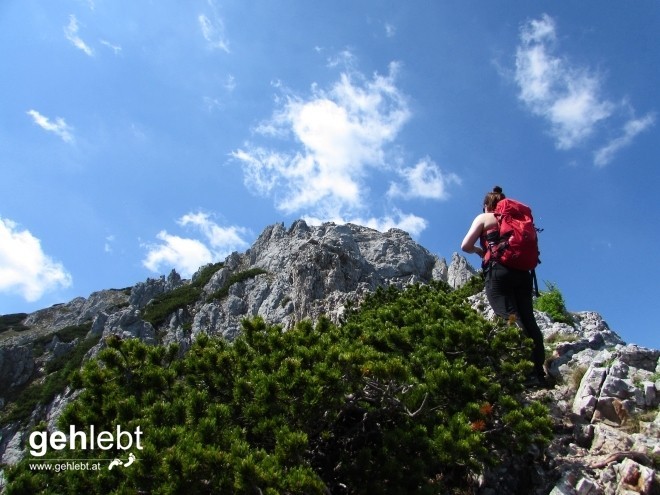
(551, 302)
(473, 286)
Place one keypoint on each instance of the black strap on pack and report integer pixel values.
(535, 284)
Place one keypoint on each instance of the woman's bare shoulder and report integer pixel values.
(489, 220)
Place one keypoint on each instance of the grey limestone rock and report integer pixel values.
(143, 292)
(16, 366)
(127, 324)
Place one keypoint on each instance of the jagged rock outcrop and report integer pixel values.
(46, 322)
(458, 272)
(16, 366)
(127, 324)
(57, 316)
(143, 292)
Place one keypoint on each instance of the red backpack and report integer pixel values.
(516, 246)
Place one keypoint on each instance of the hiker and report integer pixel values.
(509, 290)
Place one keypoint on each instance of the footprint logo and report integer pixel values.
(119, 462)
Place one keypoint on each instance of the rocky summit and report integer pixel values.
(604, 398)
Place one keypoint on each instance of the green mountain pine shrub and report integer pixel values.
(157, 311)
(413, 393)
(235, 278)
(551, 301)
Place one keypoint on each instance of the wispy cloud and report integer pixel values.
(187, 254)
(344, 58)
(109, 241)
(213, 103)
(71, 33)
(424, 180)
(395, 219)
(213, 29)
(336, 139)
(631, 129)
(58, 127)
(566, 95)
(24, 268)
(90, 3)
(230, 83)
(115, 48)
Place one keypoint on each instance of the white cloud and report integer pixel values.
(345, 58)
(220, 238)
(230, 83)
(186, 254)
(631, 129)
(24, 267)
(424, 180)
(115, 48)
(339, 134)
(211, 104)
(71, 33)
(409, 222)
(213, 29)
(59, 127)
(109, 241)
(568, 97)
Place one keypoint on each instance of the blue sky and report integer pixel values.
(140, 136)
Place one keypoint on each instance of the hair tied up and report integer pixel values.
(497, 190)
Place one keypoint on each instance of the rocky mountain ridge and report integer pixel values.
(605, 403)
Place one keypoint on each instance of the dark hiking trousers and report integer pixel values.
(510, 292)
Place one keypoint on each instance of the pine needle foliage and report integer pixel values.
(551, 301)
(162, 306)
(235, 278)
(413, 393)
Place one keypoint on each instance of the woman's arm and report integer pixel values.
(469, 242)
